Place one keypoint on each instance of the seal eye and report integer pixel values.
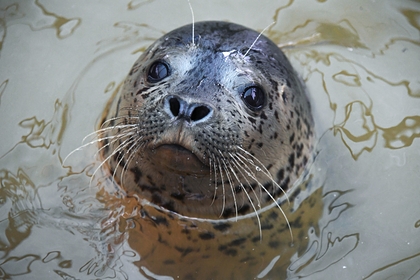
(158, 71)
(254, 97)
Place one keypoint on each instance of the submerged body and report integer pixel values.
(211, 133)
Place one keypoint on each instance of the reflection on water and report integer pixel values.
(59, 64)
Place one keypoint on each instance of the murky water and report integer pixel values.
(61, 61)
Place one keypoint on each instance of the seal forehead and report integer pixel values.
(220, 37)
(222, 46)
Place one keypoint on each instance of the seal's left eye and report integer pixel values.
(254, 97)
(158, 71)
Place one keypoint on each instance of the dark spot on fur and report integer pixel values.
(228, 251)
(141, 90)
(274, 244)
(178, 196)
(273, 215)
(238, 242)
(168, 262)
(156, 198)
(256, 239)
(184, 251)
(227, 212)
(169, 206)
(305, 160)
(297, 223)
(292, 138)
(206, 235)
(266, 226)
(244, 209)
(253, 120)
(292, 159)
(285, 184)
(280, 175)
(186, 231)
(298, 124)
(263, 116)
(276, 115)
(222, 227)
(160, 220)
(299, 150)
(137, 174)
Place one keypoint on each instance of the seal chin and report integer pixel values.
(178, 159)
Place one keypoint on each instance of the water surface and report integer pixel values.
(60, 63)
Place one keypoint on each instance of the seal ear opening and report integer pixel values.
(158, 71)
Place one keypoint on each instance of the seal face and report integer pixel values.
(209, 127)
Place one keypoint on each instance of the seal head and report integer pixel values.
(211, 128)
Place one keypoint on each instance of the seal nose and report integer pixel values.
(191, 112)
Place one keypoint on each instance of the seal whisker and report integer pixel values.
(129, 108)
(213, 163)
(193, 22)
(121, 134)
(87, 144)
(250, 200)
(275, 201)
(256, 39)
(106, 129)
(126, 144)
(130, 158)
(115, 138)
(223, 187)
(115, 151)
(264, 170)
(227, 172)
(125, 117)
(249, 173)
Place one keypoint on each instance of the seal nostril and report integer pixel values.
(199, 113)
(174, 106)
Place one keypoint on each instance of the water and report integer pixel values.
(60, 63)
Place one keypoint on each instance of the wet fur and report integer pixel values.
(254, 158)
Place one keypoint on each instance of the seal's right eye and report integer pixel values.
(158, 71)
(254, 98)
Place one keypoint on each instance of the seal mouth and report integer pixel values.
(179, 160)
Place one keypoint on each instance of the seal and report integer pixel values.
(209, 130)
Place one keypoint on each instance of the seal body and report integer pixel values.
(207, 129)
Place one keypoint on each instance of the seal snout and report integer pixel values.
(191, 112)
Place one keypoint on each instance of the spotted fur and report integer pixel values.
(247, 158)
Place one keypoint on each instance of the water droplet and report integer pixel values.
(257, 168)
